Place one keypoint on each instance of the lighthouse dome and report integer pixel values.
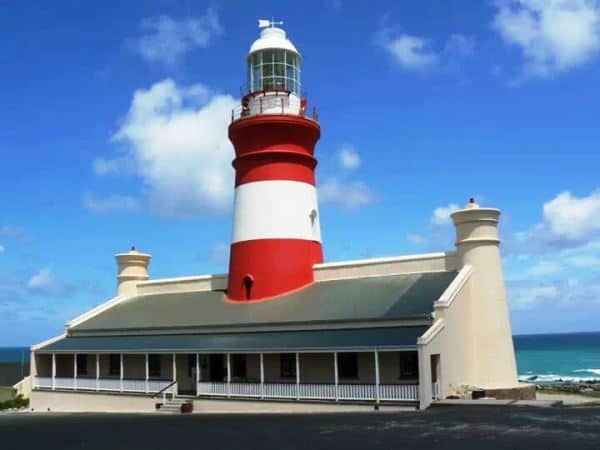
(272, 37)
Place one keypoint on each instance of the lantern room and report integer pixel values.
(273, 63)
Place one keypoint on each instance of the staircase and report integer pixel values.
(172, 406)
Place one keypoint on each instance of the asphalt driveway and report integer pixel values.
(448, 428)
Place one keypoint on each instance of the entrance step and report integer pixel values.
(172, 406)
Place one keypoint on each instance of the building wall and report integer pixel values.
(453, 342)
(435, 262)
(89, 402)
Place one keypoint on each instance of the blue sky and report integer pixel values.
(114, 121)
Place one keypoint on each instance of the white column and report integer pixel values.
(198, 377)
(297, 376)
(262, 376)
(174, 367)
(147, 385)
(121, 372)
(335, 375)
(376, 377)
(75, 371)
(174, 374)
(97, 371)
(53, 371)
(228, 375)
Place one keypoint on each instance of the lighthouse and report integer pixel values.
(276, 232)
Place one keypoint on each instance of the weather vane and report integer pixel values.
(265, 23)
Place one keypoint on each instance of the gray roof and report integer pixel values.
(316, 340)
(367, 298)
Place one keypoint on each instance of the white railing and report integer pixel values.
(280, 390)
(356, 391)
(109, 384)
(64, 383)
(101, 384)
(43, 382)
(212, 388)
(317, 391)
(245, 389)
(157, 385)
(86, 383)
(400, 392)
(134, 385)
(435, 390)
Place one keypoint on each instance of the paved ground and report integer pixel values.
(448, 428)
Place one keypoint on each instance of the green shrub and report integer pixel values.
(18, 402)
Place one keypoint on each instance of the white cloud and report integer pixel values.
(441, 215)
(545, 268)
(568, 293)
(568, 222)
(2, 249)
(176, 138)
(553, 35)
(417, 53)
(526, 295)
(350, 195)
(584, 261)
(349, 158)
(167, 39)
(458, 44)
(46, 284)
(112, 203)
(412, 52)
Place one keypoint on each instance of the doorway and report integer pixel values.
(216, 363)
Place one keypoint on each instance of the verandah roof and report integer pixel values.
(285, 341)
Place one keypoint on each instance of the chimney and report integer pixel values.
(132, 268)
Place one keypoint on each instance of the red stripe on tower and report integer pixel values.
(276, 232)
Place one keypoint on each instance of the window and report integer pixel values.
(274, 69)
(287, 365)
(238, 369)
(409, 365)
(114, 364)
(82, 365)
(348, 365)
(154, 365)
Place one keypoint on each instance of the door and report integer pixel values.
(217, 370)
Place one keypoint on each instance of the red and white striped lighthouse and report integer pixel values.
(276, 233)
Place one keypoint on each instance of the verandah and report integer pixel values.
(366, 376)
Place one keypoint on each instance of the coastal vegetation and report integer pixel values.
(18, 402)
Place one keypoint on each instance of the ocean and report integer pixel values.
(548, 357)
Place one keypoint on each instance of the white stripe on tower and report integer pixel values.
(276, 209)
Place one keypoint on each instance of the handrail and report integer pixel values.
(163, 391)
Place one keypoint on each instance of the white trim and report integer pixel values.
(146, 385)
(297, 376)
(390, 259)
(198, 374)
(97, 371)
(228, 375)
(454, 288)
(48, 342)
(432, 332)
(262, 375)
(275, 209)
(121, 371)
(95, 311)
(161, 281)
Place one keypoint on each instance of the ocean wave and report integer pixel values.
(594, 371)
(555, 378)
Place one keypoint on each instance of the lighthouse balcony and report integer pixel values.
(277, 102)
